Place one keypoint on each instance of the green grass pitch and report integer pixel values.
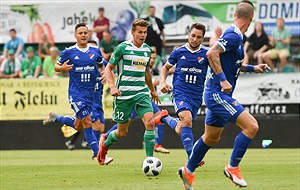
(265, 169)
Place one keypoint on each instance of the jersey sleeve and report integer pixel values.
(229, 41)
(173, 57)
(116, 55)
(2, 65)
(63, 57)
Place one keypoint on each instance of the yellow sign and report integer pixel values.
(33, 99)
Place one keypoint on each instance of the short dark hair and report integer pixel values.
(244, 9)
(139, 22)
(101, 9)
(198, 26)
(92, 42)
(82, 24)
(247, 1)
(12, 30)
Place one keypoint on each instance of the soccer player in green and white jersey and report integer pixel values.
(132, 59)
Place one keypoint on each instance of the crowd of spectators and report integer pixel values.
(18, 61)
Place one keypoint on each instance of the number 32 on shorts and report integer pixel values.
(119, 115)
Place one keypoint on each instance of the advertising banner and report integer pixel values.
(58, 18)
(262, 94)
(33, 99)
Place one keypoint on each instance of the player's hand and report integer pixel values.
(103, 79)
(115, 92)
(155, 97)
(65, 67)
(165, 88)
(226, 86)
(261, 68)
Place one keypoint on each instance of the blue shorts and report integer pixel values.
(221, 108)
(155, 110)
(98, 113)
(185, 103)
(81, 106)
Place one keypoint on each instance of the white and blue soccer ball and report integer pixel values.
(152, 166)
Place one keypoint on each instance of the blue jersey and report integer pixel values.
(84, 71)
(231, 59)
(190, 72)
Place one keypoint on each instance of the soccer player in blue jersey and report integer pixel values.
(188, 85)
(225, 59)
(80, 60)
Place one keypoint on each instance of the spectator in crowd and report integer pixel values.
(10, 67)
(213, 39)
(31, 66)
(44, 47)
(256, 45)
(156, 67)
(16, 44)
(92, 36)
(49, 62)
(280, 41)
(107, 45)
(101, 24)
(155, 32)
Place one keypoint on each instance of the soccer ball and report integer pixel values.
(152, 166)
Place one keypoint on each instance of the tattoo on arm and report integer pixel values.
(214, 58)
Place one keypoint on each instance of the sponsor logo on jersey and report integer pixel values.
(145, 54)
(180, 103)
(76, 57)
(78, 103)
(140, 63)
(131, 52)
(87, 68)
(92, 56)
(192, 69)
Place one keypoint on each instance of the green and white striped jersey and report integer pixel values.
(131, 62)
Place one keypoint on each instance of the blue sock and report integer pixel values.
(171, 121)
(240, 146)
(91, 139)
(111, 129)
(97, 134)
(67, 120)
(187, 139)
(159, 133)
(197, 155)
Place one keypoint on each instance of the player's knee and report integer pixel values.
(149, 124)
(122, 133)
(253, 128)
(87, 123)
(210, 140)
(186, 121)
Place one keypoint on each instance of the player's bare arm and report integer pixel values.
(257, 68)
(148, 80)
(64, 67)
(213, 56)
(109, 77)
(165, 88)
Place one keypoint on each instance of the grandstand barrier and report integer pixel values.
(284, 133)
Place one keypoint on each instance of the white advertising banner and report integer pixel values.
(260, 93)
(58, 18)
